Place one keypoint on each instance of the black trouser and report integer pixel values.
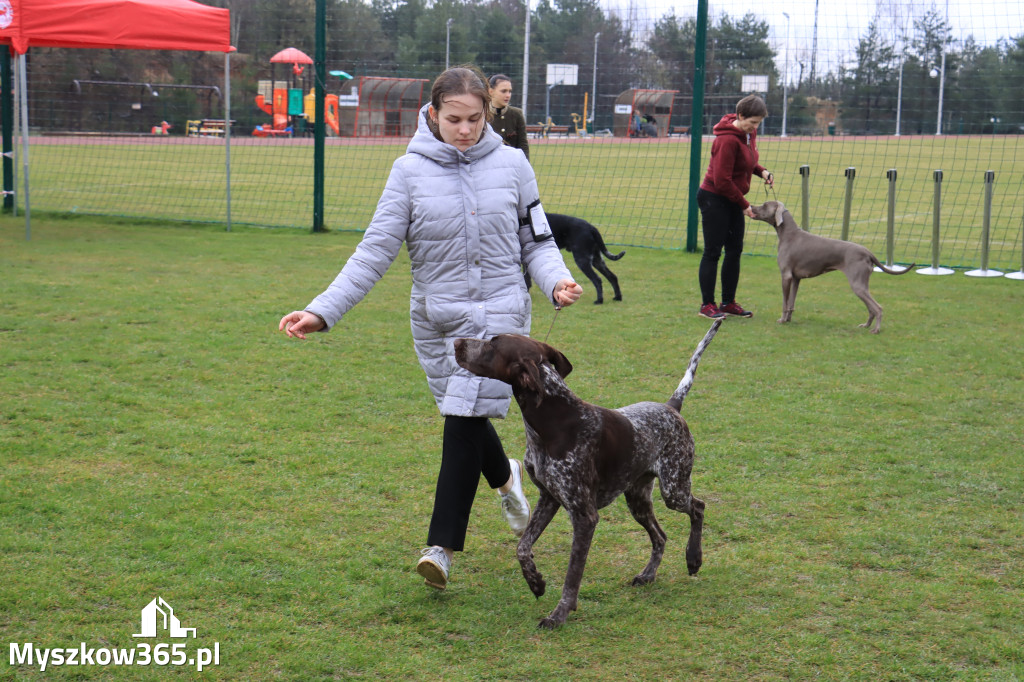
(471, 447)
(723, 224)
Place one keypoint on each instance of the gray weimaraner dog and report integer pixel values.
(582, 457)
(803, 255)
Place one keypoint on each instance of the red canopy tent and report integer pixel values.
(113, 24)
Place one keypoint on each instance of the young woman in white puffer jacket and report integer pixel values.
(468, 209)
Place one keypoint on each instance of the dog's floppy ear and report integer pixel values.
(778, 213)
(559, 362)
(527, 374)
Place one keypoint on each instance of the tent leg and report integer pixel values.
(22, 89)
(227, 137)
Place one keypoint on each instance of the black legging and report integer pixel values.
(471, 446)
(723, 224)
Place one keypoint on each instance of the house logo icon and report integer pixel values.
(159, 613)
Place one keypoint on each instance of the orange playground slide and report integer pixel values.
(331, 113)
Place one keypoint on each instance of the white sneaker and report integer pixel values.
(434, 566)
(514, 505)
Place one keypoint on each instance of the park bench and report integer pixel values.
(541, 130)
(206, 127)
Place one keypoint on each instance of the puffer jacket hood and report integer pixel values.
(427, 143)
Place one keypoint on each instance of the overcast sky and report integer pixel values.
(841, 23)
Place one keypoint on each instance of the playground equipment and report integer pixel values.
(579, 124)
(291, 105)
(285, 102)
(160, 129)
(330, 111)
(331, 102)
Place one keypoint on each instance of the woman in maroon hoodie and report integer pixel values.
(723, 205)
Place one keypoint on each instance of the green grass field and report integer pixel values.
(160, 437)
(635, 191)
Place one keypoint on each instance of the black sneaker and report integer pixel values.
(736, 309)
(711, 311)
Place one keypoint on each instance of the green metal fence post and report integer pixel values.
(7, 116)
(319, 129)
(696, 122)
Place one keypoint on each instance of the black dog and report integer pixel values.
(584, 242)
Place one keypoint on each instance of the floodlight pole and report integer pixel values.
(593, 88)
(899, 99)
(526, 60)
(942, 78)
(814, 47)
(447, 41)
(785, 80)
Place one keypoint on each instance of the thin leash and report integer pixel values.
(771, 185)
(554, 317)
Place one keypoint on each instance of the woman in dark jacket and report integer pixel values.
(509, 122)
(734, 159)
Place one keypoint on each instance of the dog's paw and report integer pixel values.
(537, 587)
(556, 618)
(642, 580)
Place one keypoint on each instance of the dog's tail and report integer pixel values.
(604, 249)
(676, 401)
(878, 264)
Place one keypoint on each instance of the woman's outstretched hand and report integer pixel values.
(299, 323)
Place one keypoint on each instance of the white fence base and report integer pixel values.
(935, 271)
(983, 273)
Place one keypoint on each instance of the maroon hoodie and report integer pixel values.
(733, 162)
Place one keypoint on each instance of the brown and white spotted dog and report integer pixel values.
(581, 456)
